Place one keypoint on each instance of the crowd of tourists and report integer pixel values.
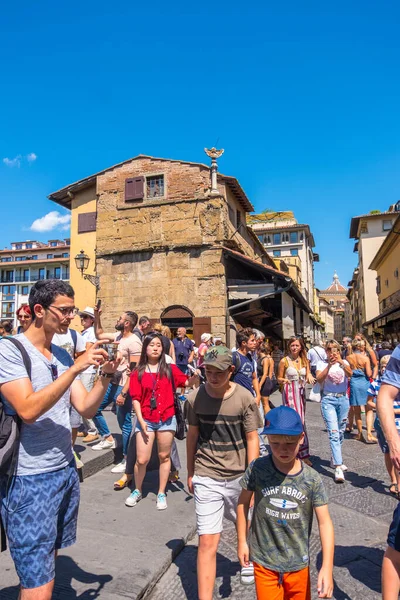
(247, 460)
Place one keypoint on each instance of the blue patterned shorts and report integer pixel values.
(40, 514)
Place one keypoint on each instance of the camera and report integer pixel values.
(180, 356)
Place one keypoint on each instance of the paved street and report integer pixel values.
(122, 552)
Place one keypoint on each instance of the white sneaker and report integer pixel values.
(339, 475)
(133, 498)
(120, 467)
(161, 501)
(344, 468)
(104, 445)
(247, 575)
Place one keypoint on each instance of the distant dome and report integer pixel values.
(336, 286)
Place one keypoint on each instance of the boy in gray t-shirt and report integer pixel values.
(286, 493)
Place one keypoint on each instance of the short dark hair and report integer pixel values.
(386, 346)
(243, 336)
(132, 317)
(144, 320)
(7, 326)
(45, 291)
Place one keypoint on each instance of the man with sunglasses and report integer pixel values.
(39, 503)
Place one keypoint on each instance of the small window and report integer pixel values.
(364, 227)
(294, 252)
(387, 225)
(387, 282)
(238, 219)
(332, 302)
(294, 237)
(384, 304)
(268, 239)
(378, 285)
(6, 259)
(18, 246)
(277, 253)
(277, 238)
(155, 186)
(53, 244)
(87, 222)
(396, 273)
(25, 290)
(50, 256)
(34, 257)
(28, 246)
(65, 255)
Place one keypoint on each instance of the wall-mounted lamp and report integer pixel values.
(82, 262)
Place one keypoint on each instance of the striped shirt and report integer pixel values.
(392, 373)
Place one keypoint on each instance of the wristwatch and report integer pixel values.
(124, 394)
(106, 375)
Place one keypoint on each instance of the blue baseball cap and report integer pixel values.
(283, 421)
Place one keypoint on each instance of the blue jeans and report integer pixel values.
(111, 394)
(124, 417)
(334, 411)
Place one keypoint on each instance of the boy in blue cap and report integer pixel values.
(286, 492)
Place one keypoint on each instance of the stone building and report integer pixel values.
(369, 231)
(386, 263)
(166, 243)
(336, 296)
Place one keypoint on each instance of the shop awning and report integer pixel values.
(392, 314)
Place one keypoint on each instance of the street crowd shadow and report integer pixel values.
(66, 571)
(356, 480)
(186, 562)
(363, 564)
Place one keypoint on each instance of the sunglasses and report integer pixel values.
(54, 372)
(66, 311)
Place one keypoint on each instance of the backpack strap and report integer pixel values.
(25, 355)
(74, 336)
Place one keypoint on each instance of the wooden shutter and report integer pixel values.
(201, 325)
(134, 189)
(86, 222)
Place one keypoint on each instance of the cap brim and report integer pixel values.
(217, 366)
(85, 314)
(277, 431)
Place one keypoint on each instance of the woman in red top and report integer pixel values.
(153, 401)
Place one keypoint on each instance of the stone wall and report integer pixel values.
(149, 282)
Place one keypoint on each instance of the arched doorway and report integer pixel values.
(178, 316)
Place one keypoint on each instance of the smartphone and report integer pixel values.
(98, 305)
(132, 365)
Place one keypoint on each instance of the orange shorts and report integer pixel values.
(271, 585)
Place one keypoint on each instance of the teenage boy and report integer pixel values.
(246, 375)
(287, 491)
(389, 394)
(222, 438)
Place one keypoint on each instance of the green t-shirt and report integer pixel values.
(283, 513)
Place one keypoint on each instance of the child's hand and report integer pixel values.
(243, 554)
(325, 583)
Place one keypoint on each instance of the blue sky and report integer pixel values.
(304, 97)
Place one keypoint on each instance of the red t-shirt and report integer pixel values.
(142, 391)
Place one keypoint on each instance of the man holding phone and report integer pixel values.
(39, 505)
(129, 350)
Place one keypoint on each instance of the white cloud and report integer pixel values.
(53, 220)
(13, 162)
(31, 157)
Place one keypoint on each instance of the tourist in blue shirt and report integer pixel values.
(184, 350)
(246, 375)
(388, 394)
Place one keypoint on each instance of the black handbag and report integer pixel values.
(180, 420)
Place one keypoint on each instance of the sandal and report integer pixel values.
(173, 476)
(371, 440)
(121, 484)
(393, 489)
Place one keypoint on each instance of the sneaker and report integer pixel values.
(78, 461)
(343, 467)
(120, 467)
(247, 575)
(161, 501)
(90, 437)
(339, 475)
(81, 434)
(104, 445)
(133, 498)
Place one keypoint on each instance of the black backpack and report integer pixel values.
(10, 427)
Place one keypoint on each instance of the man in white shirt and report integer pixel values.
(88, 376)
(315, 355)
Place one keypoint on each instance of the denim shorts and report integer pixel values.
(394, 530)
(168, 425)
(40, 514)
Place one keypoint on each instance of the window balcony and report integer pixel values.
(22, 278)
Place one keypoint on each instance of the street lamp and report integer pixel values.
(82, 262)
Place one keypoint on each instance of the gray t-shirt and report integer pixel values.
(45, 445)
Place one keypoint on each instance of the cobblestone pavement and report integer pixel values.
(361, 510)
